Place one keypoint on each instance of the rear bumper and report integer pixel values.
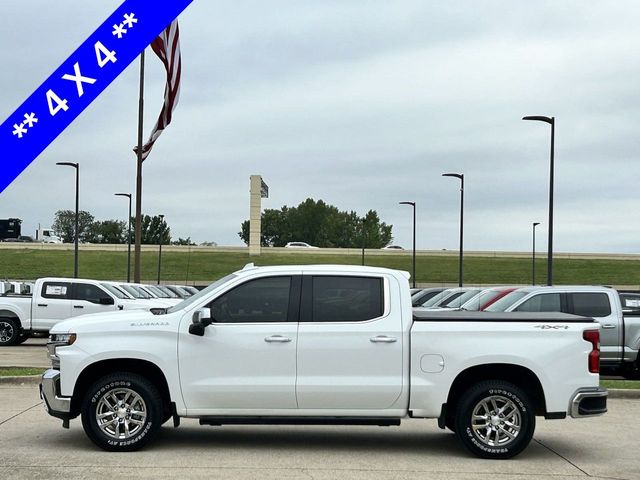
(56, 406)
(589, 402)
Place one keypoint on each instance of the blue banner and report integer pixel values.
(79, 81)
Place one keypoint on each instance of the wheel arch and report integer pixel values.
(95, 371)
(518, 375)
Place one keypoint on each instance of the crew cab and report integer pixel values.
(321, 344)
(620, 331)
(54, 300)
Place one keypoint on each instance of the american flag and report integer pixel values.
(167, 47)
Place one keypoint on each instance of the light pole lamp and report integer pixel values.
(161, 230)
(533, 251)
(551, 121)
(75, 250)
(413, 204)
(459, 176)
(128, 195)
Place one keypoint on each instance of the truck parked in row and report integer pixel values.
(619, 331)
(57, 299)
(321, 344)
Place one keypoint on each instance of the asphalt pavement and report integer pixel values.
(32, 353)
(34, 445)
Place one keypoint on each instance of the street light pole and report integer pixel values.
(413, 204)
(551, 121)
(459, 176)
(160, 245)
(363, 239)
(75, 250)
(128, 195)
(533, 250)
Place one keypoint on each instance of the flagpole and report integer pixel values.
(138, 228)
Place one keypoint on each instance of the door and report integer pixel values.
(246, 360)
(349, 344)
(51, 304)
(87, 299)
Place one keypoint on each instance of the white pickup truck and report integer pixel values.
(57, 299)
(321, 344)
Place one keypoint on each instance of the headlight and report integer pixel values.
(59, 340)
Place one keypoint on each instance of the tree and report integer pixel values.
(107, 231)
(322, 225)
(152, 228)
(183, 241)
(64, 225)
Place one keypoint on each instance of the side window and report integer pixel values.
(256, 301)
(346, 299)
(59, 290)
(590, 304)
(88, 292)
(545, 302)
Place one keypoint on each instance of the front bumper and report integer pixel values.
(589, 402)
(56, 406)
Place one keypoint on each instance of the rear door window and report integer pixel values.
(589, 304)
(346, 299)
(59, 290)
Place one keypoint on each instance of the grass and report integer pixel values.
(19, 371)
(204, 267)
(624, 384)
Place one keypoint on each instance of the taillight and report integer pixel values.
(593, 336)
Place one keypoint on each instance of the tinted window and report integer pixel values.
(545, 302)
(590, 304)
(506, 301)
(256, 301)
(89, 293)
(435, 299)
(346, 299)
(59, 290)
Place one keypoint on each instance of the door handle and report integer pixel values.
(78, 306)
(277, 339)
(608, 325)
(383, 339)
(42, 305)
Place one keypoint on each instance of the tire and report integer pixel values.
(9, 331)
(126, 392)
(510, 424)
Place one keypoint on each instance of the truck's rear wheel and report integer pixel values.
(495, 420)
(122, 412)
(9, 332)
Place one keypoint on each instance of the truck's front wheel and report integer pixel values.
(122, 412)
(9, 332)
(495, 420)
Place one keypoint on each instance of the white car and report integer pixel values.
(392, 247)
(299, 245)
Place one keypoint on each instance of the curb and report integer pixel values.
(35, 379)
(23, 380)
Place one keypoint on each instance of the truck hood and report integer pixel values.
(105, 321)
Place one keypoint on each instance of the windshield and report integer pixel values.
(132, 291)
(168, 291)
(460, 299)
(114, 290)
(506, 301)
(194, 298)
(474, 304)
(436, 299)
(193, 290)
(156, 291)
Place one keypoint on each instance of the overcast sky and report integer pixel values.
(361, 104)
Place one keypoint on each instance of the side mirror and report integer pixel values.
(106, 301)
(201, 319)
(196, 329)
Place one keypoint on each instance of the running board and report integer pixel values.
(377, 421)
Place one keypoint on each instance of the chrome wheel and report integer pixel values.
(121, 413)
(496, 421)
(6, 332)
